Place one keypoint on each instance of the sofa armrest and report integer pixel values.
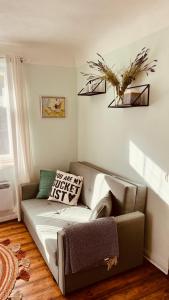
(29, 190)
(131, 243)
(136, 217)
(131, 237)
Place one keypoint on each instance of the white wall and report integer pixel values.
(134, 141)
(54, 141)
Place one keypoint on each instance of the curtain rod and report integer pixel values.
(19, 57)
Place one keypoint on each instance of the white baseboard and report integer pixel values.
(164, 270)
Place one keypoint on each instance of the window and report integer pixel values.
(6, 156)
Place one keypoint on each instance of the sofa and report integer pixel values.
(45, 220)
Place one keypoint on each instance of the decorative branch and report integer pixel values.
(139, 65)
(105, 72)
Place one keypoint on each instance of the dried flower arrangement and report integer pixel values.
(139, 65)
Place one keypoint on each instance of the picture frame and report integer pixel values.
(52, 107)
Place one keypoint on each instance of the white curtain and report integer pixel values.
(19, 118)
(15, 152)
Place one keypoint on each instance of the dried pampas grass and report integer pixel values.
(139, 65)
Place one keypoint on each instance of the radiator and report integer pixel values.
(6, 196)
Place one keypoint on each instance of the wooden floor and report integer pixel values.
(145, 282)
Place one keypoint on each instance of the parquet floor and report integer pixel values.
(144, 283)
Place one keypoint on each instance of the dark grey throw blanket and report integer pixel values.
(89, 244)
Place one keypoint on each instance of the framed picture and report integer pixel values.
(52, 107)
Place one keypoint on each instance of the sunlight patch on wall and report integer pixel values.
(154, 176)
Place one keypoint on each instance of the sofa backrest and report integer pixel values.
(95, 187)
(127, 196)
(141, 189)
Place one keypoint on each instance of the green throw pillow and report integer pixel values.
(47, 178)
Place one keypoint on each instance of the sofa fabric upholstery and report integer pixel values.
(141, 189)
(131, 242)
(94, 188)
(124, 195)
(45, 221)
(102, 209)
(29, 190)
(127, 196)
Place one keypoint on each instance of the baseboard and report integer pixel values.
(165, 271)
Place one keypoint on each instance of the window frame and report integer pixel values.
(8, 158)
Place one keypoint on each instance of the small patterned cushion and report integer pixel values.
(66, 188)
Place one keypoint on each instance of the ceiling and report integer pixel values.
(79, 24)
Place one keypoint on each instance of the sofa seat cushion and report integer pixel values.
(44, 219)
(55, 213)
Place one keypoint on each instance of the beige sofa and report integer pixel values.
(45, 221)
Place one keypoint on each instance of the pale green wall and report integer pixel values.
(112, 137)
(53, 141)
